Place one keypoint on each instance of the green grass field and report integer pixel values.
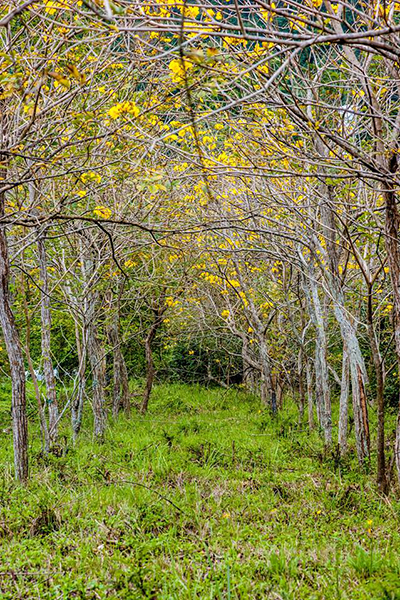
(204, 497)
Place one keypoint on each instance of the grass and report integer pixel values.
(205, 497)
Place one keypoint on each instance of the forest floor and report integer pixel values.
(205, 497)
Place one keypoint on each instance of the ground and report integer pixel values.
(205, 497)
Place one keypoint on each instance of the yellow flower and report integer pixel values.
(91, 176)
(226, 515)
(192, 11)
(114, 112)
(191, 351)
(122, 108)
(369, 524)
(130, 263)
(170, 301)
(225, 314)
(178, 68)
(51, 7)
(102, 212)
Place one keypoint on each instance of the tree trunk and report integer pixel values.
(158, 312)
(97, 363)
(125, 395)
(15, 357)
(280, 388)
(381, 477)
(150, 372)
(77, 402)
(247, 377)
(310, 406)
(42, 416)
(51, 394)
(10, 331)
(358, 377)
(95, 350)
(392, 249)
(347, 329)
(344, 403)
(267, 389)
(322, 392)
(302, 398)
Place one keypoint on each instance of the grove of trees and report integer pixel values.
(205, 191)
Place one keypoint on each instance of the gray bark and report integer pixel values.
(381, 476)
(347, 329)
(15, 357)
(358, 379)
(344, 403)
(78, 400)
(268, 394)
(392, 221)
(322, 392)
(97, 364)
(51, 394)
(96, 354)
(302, 397)
(42, 416)
(310, 402)
(158, 312)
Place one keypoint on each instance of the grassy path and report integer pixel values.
(204, 498)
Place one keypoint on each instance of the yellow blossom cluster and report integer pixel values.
(124, 108)
(90, 176)
(102, 211)
(170, 301)
(130, 263)
(211, 278)
(178, 68)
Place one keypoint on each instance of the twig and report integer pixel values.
(13, 13)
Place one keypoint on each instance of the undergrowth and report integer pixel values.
(205, 497)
